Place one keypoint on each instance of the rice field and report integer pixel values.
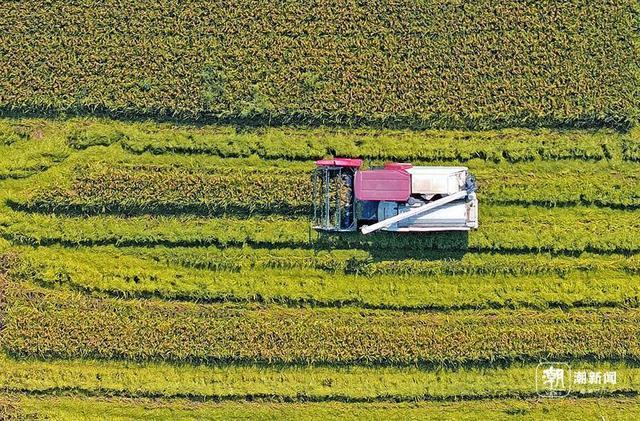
(153, 270)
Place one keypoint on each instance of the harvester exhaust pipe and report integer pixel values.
(414, 212)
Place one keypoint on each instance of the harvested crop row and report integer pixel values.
(116, 156)
(29, 146)
(361, 262)
(9, 135)
(508, 228)
(568, 409)
(442, 64)
(120, 275)
(353, 383)
(48, 324)
(473, 149)
(508, 145)
(26, 157)
(559, 183)
(38, 229)
(512, 145)
(353, 261)
(103, 188)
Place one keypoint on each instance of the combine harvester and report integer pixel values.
(398, 197)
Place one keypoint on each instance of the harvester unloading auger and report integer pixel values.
(398, 197)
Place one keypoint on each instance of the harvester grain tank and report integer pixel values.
(398, 197)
